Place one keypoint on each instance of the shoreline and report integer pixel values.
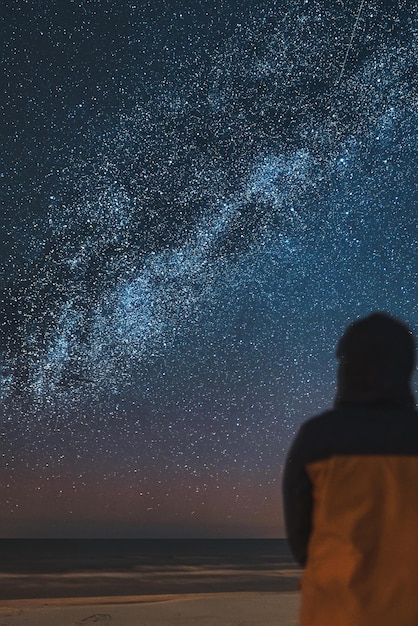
(146, 582)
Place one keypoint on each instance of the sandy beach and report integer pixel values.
(220, 609)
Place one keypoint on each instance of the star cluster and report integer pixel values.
(198, 198)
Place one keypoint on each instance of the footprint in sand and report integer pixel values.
(98, 617)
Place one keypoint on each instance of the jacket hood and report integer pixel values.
(377, 359)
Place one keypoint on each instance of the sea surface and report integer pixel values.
(51, 568)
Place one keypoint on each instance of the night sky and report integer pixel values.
(197, 198)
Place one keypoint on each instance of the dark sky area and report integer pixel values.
(197, 198)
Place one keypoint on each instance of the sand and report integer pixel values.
(212, 609)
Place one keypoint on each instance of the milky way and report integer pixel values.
(198, 199)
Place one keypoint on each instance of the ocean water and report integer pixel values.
(36, 568)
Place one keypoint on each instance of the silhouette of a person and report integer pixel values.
(350, 487)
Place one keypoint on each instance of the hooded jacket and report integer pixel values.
(350, 487)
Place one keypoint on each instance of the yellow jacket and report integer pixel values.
(351, 509)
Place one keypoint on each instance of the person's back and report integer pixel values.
(351, 487)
